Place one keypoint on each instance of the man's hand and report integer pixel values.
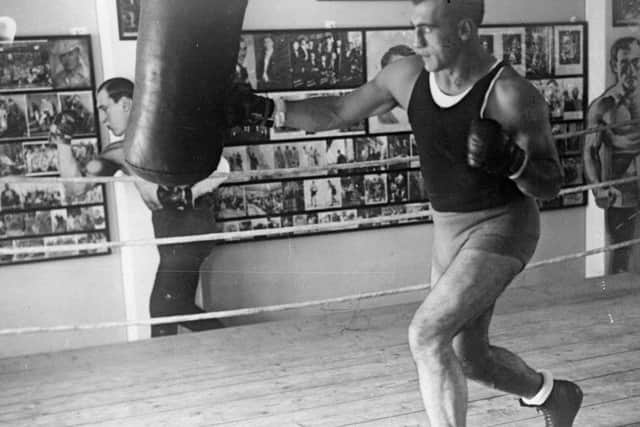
(245, 108)
(491, 150)
(606, 197)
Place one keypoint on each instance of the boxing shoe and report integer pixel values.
(562, 405)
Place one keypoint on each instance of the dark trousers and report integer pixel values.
(176, 281)
(620, 223)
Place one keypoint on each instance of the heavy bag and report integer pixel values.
(186, 56)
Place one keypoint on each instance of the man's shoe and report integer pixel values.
(562, 405)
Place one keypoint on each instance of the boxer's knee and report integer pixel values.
(428, 337)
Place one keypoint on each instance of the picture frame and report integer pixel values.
(568, 49)
(625, 13)
(128, 18)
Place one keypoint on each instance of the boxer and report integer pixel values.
(486, 154)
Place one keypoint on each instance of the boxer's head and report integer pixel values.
(115, 99)
(625, 62)
(444, 27)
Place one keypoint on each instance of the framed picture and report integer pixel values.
(128, 18)
(569, 57)
(25, 65)
(539, 51)
(70, 63)
(625, 12)
(506, 44)
(384, 47)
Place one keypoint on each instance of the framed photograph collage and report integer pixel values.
(310, 177)
(39, 77)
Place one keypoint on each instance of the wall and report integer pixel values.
(254, 273)
(75, 291)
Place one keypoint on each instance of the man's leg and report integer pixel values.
(493, 366)
(467, 289)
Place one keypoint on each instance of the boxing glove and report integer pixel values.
(491, 150)
(65, 125)
(245, 108)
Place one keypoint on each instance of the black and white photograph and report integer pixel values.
(37, 223)
(264, 199)
(272, 61)
(11, 196)
(313, 154)
(81, 103)
(245, 70)
(399, 145)
(322, 193)
(383, 48)
(506, 44)
(96, 238)
(13, 117)
(70, 63)
(340, 151)
(85, 218)
(486, 41)
(326, 59)
(84, 150)
(69, 240)
(231, 202)
(29, 243)
(417, 191)
(569, 57)
(128, 18)
(5, 244)
(58, 220)
(25, 65)
(375, 189)
(539, 51)
(564, 97)
(237, 158)
(12, 159)
(36, 195)
(14, 224)
(93, 195)
(626, 13)
(260, 157)
(41, 110)
(40, 158)
(370, 148)
(573, 170)
(293, 196)
(398, 187)
(352, 190)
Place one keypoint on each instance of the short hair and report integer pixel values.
(460, 9)
(397, 50)
(117, 87)
(623, 43)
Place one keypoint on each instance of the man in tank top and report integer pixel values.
(486, 153)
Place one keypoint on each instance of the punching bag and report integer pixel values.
(185, 60)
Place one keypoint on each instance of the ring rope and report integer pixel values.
(286, 307)
(237, 177)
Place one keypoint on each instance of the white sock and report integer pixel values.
(545, 390)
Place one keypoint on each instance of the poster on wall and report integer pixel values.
(626, 12)
(506, 44)
(614, 153)
(383, 48)
(569, 57)
(128, 18)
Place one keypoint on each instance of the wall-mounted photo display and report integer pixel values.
(384, 47)
(39, 77)
(564, 97)
(569, 56)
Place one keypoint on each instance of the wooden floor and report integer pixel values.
(344, 369)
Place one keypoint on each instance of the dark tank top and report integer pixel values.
(441, 135)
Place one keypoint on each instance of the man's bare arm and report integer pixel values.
(375, 97)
